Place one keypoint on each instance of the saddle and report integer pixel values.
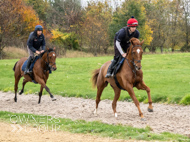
(118, 65)
(31, 68)
(31, 65)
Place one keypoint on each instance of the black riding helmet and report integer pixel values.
(39, 28)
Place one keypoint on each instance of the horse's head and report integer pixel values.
(135, 52)
(51, 58)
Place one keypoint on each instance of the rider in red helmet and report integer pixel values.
(121, 42)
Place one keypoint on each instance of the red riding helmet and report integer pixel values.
(132, 22)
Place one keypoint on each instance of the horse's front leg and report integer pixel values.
(40, 94)
(43, 84)
(143, 86)
(131, 92)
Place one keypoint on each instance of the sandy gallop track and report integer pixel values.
(171, 118)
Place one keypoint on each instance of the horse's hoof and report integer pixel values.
(53, 99)
(143, 119)
(15, 100)
(150, 110)
(20, 93)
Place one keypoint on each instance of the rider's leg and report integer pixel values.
(114, 61)
(28, 65)
(110, 68)
(31, 57)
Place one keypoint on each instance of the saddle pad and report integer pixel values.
(118, 65)
(116, 69)
(31, 65)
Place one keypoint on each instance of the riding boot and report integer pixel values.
(110, 68)
(28, 65)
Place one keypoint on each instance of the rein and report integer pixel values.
(48, 66)
(132, 61)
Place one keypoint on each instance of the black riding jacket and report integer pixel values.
(34, 42)
(123, 36)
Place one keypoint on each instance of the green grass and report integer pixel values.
(167, 75)
(185, 100)
(45, 123)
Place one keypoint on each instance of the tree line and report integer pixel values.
(163, 24)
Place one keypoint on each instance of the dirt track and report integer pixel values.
(170, 118)
(22, 136)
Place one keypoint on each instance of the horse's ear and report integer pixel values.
(54, 48)
(131, 40)
(142, 42)
(47, 48)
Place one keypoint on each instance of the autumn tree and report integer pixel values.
(64, 14)
(95, 26)
(186, 18)
(64, 41)
(42, 8)
(17, 21)
(9, 23)
(175, 27)
(159, 24)
(167, 24)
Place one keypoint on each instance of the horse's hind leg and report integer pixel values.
(23, 84)
(116, 97)
(17, 78)
(100, 88)
(40, 94)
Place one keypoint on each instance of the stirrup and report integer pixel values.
(26, 71)
(108, 75)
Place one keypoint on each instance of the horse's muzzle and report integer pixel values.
(54, 68)
(138, 68)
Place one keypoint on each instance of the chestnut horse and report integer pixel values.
(40, 72)
(130, 75)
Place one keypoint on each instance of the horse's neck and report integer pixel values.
(128, 65)
(129, 56)
(43, 60)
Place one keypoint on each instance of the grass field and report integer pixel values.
(167, 75)
(44, 123)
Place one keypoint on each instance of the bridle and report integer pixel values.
(48, 62)
(48, 66)
(132, 61)
(138, 61)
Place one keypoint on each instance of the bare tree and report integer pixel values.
(186, 10)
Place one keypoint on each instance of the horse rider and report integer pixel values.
(35, 44)
(122, 43)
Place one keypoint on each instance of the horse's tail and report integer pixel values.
(14, 66)
(95, 77)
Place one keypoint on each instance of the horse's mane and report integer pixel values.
(131, 45)
(50, 49)
(47, 50)
(129, 49)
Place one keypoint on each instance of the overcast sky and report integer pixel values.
(111, 2)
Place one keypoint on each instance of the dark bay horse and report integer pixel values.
(130, 75)
(40, 72)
